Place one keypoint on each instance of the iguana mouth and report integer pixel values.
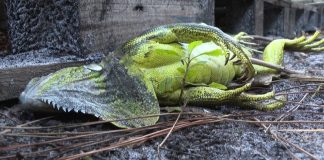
(44, 104)
(58, 107)
(26, 98)
(54, 105)
(36, 104)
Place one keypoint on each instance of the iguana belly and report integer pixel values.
(169, 78)
(164, 66)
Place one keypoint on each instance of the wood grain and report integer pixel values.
(259, 17)
(287, 22)
(106, 24)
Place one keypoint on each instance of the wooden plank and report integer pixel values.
(306, 16)
(3, 16)
(13, 81)
(302, 6)
(4, 41)
(282, 3)
(259, 17)
(104, 25)
(321, 11)
(287, 22)
(292, 22)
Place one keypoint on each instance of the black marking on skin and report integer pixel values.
(147, 54)
(233, 56)
(238, 62)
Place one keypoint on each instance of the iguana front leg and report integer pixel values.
(186, 33)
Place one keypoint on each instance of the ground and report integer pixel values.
(222, 140)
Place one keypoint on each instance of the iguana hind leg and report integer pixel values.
(209, 96)
(203, 96)
(212, 96)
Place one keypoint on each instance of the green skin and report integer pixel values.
(148, 71)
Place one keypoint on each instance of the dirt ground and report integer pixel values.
(224, 140)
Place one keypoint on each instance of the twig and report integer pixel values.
(287, 93)
(249, 43)
(301, 130)
(293, 102)
(258, 37)
(82, 136)
(141, 139)
(256, 51)
(273, 66)
(300, 77)
(25, 124)
(172, 128)
(275, 136)
(26, 155)
(318, 90)
(61, 139)
(33, 136)
(273, 122)
(283, 116)
(179, 125)
(97, 122)
(294, 108)
(109, 140)
(184, 81)
(55, 133)
(297, 147)
(304, 85)
(184, 78)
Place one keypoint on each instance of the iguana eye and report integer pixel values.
(93, 67)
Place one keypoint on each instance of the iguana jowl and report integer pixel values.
(147, 71)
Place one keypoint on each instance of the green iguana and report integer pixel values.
(148, 71)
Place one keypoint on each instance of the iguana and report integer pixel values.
(149, 71)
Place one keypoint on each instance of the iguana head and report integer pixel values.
(106, 91)
(67, 82)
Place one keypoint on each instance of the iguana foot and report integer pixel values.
(274, 51)
(276, 103)
(306, 45)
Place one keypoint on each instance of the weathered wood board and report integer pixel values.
(4, 45)
(13, 81)
(259, 17)
(104, 24)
